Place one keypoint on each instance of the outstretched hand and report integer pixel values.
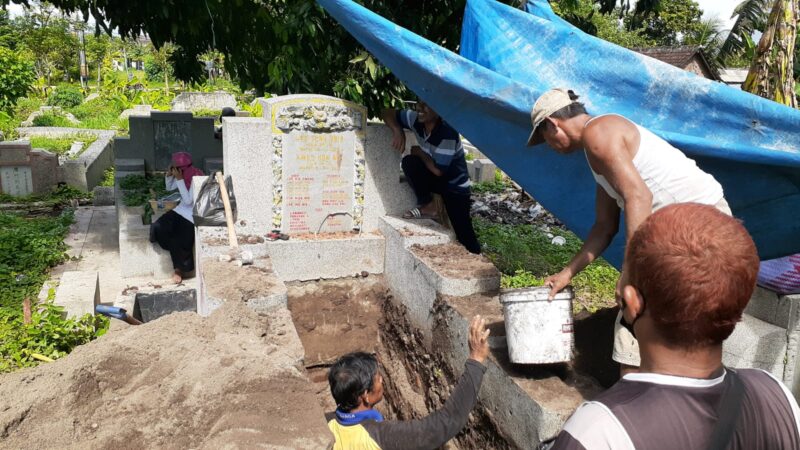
(557, 282)
(478, 339)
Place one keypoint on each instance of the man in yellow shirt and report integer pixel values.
(357, 387)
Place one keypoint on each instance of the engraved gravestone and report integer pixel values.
(169, 137)
(317, 163)
(25, 171)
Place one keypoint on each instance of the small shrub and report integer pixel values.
(138, 189)
(65, 96)
(25, 106)
(51, 120)
(207, 113)
(108, 177)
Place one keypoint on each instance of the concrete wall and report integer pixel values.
(181, 132)
(193, 101)
(86, 171)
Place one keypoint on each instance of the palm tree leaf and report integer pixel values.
(750, 15)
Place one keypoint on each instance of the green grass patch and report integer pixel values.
(52, 120)
(61, 145)
(29, 247)
(500, 184)
(525, 256)
(138, 190)
(100, 114)
(61, 195)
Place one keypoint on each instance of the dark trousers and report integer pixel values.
(425, 184)
(176, 235)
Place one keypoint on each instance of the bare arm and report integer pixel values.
(606, 225)
(389, 117)
(611, 158)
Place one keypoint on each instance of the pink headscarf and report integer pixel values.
(183, 161)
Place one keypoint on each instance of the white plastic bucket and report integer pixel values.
(538, 331)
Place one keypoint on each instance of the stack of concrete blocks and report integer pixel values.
(156, 137)
(768, 337)
(25, 171)
(194, 101)
(78, 292)
(88, 169)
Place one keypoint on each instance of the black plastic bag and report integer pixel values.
(209, 211)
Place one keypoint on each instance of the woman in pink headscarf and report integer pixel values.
(174, 231)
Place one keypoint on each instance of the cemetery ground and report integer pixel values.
(241, 355)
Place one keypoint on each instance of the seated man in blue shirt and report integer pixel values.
(437, 165)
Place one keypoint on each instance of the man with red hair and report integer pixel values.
(692, 272)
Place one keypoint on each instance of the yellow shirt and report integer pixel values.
(352, 437)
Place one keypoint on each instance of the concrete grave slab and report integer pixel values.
(88, 169)
(78, 292)
(193, 101)
(25, 171)
(156, 137)
(317, 145)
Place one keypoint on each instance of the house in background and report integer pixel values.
(687, 58)
(734, 77)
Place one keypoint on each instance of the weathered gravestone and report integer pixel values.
(317, 145)
(155, 138)
(194, 101)
(24, 171)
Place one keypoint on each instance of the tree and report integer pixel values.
(161, 58)
(772, 73)
(46, 34)
(669, 23)
(586, 16)
(16, 77)
(97, 49)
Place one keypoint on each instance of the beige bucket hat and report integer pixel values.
(548, 103)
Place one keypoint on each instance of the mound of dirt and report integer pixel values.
(452, 260)
(227, 381)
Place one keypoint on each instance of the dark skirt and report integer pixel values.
(176, 235)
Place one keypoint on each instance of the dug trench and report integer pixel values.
(335, 317)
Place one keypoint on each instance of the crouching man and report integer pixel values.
(692, 271)
(357, 387)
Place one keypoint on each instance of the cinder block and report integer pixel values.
(78, 292)
(765, 305)
(757, 344)
(152, 305)
(483, 170)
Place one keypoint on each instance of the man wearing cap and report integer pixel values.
(637, 173)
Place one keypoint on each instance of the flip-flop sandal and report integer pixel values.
(415, 213)
(277, 235)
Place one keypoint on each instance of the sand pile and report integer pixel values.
(227, 381)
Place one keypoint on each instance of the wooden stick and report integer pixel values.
(26, 310)
(232, 241)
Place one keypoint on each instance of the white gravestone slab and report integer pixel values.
(318, 176)
(317, 163)
(16, 180)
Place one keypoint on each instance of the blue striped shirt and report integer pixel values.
(443, 145)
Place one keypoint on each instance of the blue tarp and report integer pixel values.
(509, 57)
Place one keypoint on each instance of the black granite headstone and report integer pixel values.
(150, 306)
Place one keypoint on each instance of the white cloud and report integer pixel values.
(721, 9)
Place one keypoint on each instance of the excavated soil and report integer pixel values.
(334, 317)
(231, 282)
(452, 260)
(182, 381)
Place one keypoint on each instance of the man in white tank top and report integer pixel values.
(636, 172)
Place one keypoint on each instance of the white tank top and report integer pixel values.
(668, 173)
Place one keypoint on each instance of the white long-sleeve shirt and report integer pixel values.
(184, 208)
